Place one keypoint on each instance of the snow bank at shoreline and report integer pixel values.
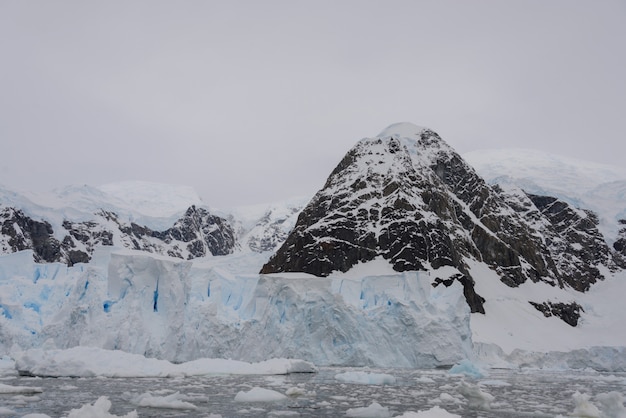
(91, 361)
(97, 362)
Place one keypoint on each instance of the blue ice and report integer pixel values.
(469, 369)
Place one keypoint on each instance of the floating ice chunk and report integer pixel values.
(469, 369)
(24, 399)
(294, 392)
(283, 414)
(173, 401)
(500, 383)
(257, 394)
(434, 412)
(100, 409)
(475, 397)
(19, 389)
(6, 411)
(33, 415)
(447, 398)
(90, 361)
(365, 378)
(270, 367)
(611, 404)
(375, 410)
(584, 408)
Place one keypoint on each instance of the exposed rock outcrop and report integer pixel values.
(620, 244)
(567, 312)
(574, 241)
(20, 232)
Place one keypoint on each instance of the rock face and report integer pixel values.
(196, 234)
(574, 242)
(620, 244)
(567, 312)
(408, 197)
(19, 232)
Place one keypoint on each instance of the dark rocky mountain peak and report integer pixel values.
(408, 197)
(197, 233)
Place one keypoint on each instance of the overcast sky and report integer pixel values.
(254, 101)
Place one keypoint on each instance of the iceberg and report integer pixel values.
(365, 378)
(374, 410)
(257, 394)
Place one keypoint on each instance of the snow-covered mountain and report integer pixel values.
(597, 187)
(407, 197)
(264, 227)
(405, 258)
(68, 224)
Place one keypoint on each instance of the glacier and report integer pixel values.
(180, 310)
(170, 309)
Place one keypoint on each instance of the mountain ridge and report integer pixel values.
(588, 185)
(408, 197)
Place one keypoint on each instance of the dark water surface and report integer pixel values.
(516, 394)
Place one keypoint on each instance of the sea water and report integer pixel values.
(513, 393)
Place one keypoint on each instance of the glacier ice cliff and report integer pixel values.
(178, 310)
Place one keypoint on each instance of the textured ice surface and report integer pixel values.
(366, 378)
(176, 310)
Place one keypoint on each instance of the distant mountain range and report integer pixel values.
(68, 224)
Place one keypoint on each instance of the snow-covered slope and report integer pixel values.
(153, 199)
(154, 205)
(553, 172)
(598, 187)
(264, 227)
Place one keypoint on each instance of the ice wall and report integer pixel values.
(179, 310)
